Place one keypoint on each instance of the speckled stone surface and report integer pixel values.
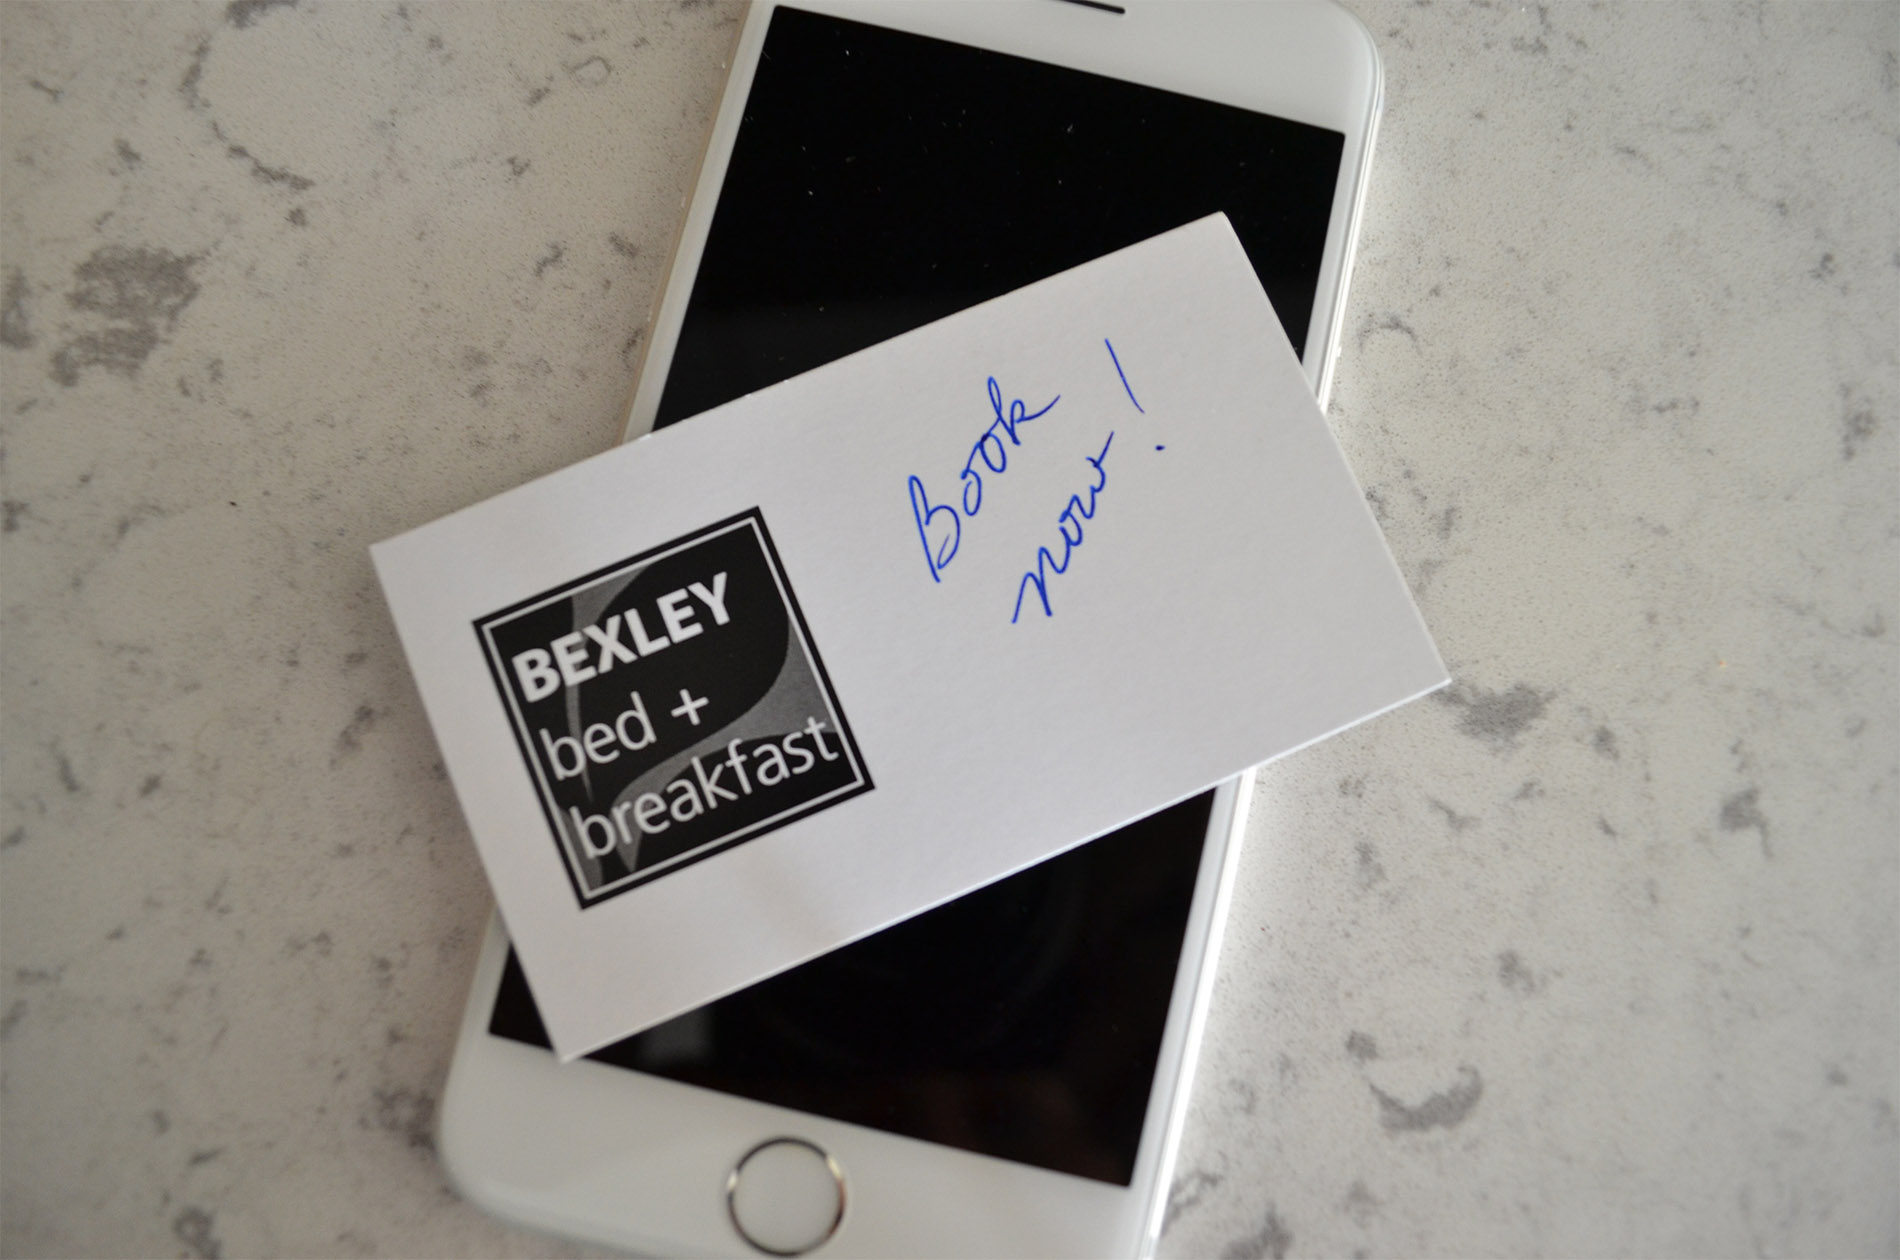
(1594, 954)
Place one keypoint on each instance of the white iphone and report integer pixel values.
(1006, 1074)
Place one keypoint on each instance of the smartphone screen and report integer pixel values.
(881, 180)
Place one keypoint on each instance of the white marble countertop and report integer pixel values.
(1595, 954)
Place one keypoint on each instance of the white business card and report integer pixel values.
(735, 694)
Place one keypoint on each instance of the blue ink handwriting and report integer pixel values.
(925, 513)
(991, 450)
(1113, 358)
(1070, 519)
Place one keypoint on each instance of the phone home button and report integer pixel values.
(785, 1196)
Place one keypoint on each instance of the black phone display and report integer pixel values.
(881, 180)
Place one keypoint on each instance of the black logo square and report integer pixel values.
(671, 706)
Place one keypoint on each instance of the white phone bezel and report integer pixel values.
(1305, 60)
(640, 1162)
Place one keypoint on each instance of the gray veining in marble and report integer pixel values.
(1595, 953)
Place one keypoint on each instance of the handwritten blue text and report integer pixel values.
(1070, 525)
(940, 525)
